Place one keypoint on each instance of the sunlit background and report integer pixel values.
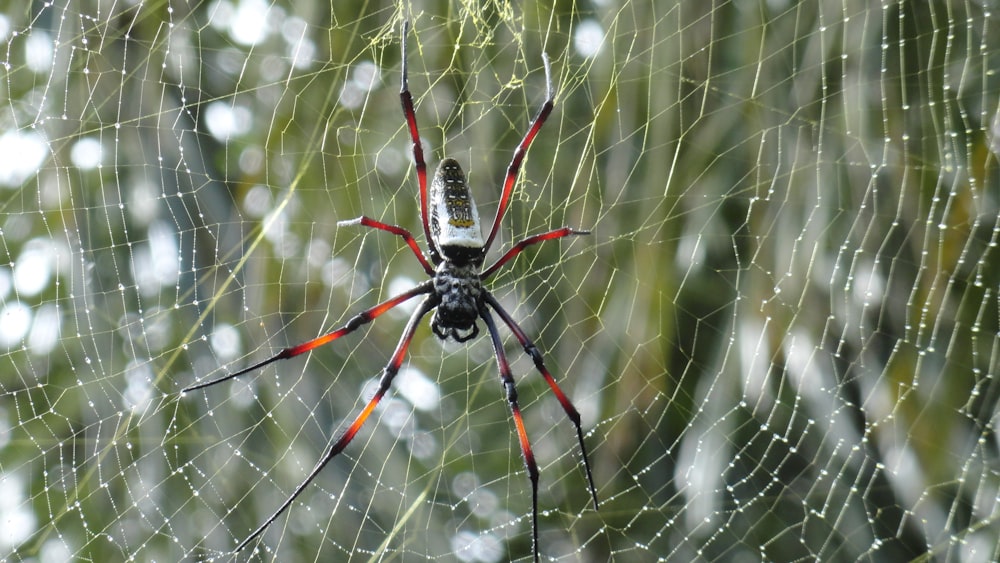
(781, 333)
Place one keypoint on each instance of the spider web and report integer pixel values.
(781, 333)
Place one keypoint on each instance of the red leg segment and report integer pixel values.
(517, 248)
(385, 381)
(567, 405)
(356, 322)
(522, 434)
(400, 231)
(418, 151)
(515, 164)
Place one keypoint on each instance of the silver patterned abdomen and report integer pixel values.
(454, 220)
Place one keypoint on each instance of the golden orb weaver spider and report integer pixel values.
(454, 292)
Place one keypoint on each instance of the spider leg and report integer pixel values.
(356, 322)
(517, 248)
(388, 374)
(400, 231)
(567, 405)
(522, 149)
(522, 435)
(418, 151)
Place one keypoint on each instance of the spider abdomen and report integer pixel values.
(454, 220)
(459, 295)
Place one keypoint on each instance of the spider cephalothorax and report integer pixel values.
(460, 293)
(454, 292)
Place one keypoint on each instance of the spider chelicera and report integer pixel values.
(454, 292)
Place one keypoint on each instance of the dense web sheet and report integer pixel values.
(782, 333)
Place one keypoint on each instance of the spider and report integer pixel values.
(454, 292)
